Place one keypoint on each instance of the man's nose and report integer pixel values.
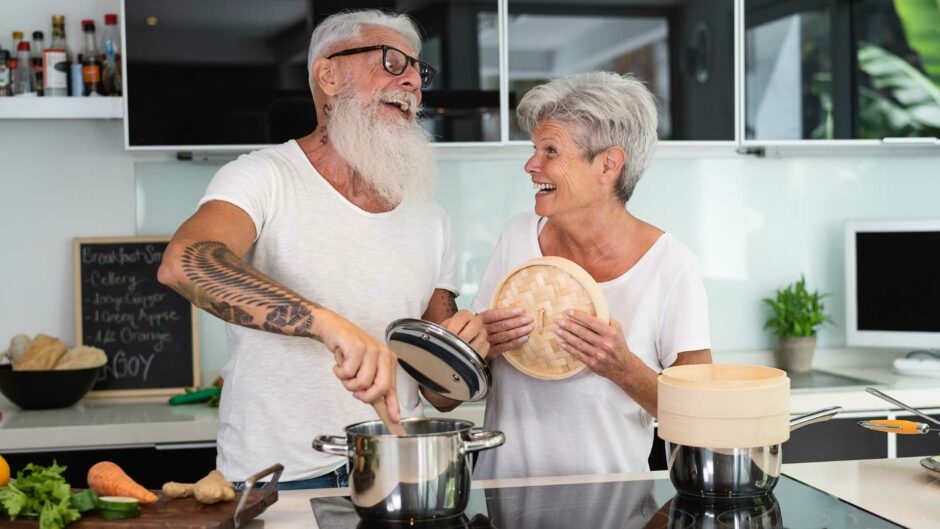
(410, 78)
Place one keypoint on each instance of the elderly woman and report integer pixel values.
(594, 135)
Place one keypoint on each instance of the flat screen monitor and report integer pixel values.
(892, 286)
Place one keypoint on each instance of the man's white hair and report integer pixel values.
(605, 110)
(346, 25)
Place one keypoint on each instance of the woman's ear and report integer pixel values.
(613, 160)
(325, 77)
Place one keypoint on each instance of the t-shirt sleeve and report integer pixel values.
(685, 316)
(447, 276)
(245, 183)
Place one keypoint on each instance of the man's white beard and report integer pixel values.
(393, 156)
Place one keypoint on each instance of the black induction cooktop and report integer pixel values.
(644, 504)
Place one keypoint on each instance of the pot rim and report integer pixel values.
(467, 426)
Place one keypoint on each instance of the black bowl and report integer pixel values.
(44, 390)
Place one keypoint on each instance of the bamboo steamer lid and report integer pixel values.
(724, 406)
(545, 288)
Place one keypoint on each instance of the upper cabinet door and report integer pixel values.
(841, 69)
(682, 49)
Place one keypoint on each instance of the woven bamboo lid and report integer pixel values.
(545, 288)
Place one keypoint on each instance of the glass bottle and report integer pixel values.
(17, 37)
(23, 82)
(55, 61)
(91, 61)
(111, 65)
(35, 59)
(6, 85)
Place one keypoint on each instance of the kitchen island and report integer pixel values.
(899, 490)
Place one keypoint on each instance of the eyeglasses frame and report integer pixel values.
(384, 47)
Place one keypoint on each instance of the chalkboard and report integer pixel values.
(148, 331)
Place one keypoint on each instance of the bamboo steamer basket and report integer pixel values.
(545, 288)
(724, 405)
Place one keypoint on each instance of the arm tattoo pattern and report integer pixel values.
(223, 284)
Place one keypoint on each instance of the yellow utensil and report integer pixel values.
(896, 426)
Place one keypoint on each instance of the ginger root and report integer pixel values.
(211, 489)
(173, 489)
(214, 488)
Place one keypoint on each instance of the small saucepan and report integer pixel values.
(732, 472)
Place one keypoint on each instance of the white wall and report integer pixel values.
(755, 223)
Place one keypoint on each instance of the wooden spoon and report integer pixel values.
(381, 408)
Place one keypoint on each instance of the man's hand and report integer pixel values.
(506, 328)
(470, 329)
(364, 366)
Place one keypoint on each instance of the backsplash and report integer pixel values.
(755, 223)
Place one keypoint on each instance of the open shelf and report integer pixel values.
(61, 107)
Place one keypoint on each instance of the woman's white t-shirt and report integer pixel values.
(585, 424)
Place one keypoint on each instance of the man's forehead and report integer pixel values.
(372, 35)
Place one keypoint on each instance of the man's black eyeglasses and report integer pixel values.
(395, 62)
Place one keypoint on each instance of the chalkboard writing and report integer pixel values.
(147, 330)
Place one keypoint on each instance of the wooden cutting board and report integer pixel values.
(182, 513)
(545, 288)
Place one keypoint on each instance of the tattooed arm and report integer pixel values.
(203, 262)
(442, 309)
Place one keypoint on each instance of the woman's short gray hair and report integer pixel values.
(606, 110)
(348, 24)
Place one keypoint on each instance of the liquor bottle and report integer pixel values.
(35, 58)
(55, 61)
(6, 86)
(111, 65)
(91, 61)
(23, 82)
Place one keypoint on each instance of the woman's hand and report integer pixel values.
(506, 328)
(469, 328)
(598, 345)
(363, 365)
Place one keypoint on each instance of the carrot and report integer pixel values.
(109, 479)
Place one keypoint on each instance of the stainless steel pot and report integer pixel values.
(422, 476)
(732, 472)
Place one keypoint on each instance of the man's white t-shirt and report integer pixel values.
(585, 424)
(371, 268)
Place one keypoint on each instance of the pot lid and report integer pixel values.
(439, 360)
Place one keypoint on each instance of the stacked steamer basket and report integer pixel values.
(724, 406)
(545, 288)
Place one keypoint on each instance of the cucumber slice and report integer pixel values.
(118, 503)
(118, 515)
(85, 500)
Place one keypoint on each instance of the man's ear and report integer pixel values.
(613, 159)
(325, 77)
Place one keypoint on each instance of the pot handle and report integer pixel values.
(483, 441)
(331, 444)
(817, 416)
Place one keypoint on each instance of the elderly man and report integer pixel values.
(331, 237)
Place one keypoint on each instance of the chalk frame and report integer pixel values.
(77, 243)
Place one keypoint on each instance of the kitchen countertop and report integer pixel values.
(97, 423)
(897, 489)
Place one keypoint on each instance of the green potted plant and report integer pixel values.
(794, 315)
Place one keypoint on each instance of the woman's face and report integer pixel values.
(564, 181)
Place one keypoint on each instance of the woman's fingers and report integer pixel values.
(589, 321)
(507, 346)
(511, 334)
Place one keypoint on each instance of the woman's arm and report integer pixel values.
(603, 349)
